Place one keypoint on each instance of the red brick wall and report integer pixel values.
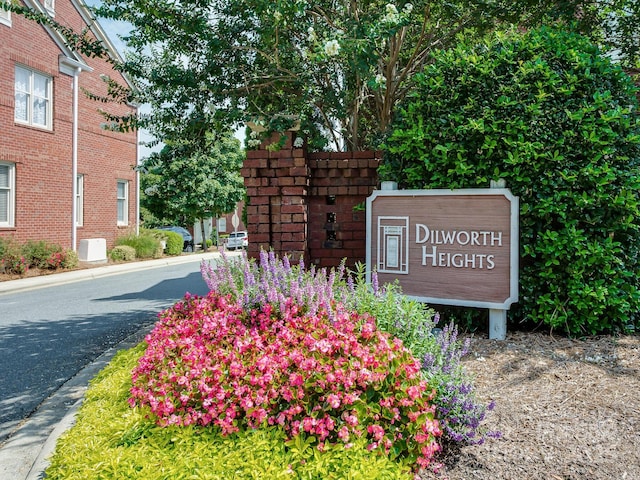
(303, 204)
(43, 158)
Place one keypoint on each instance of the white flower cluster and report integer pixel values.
(253, 140)
(392, 15)
(298, 142)
(311, 35)
(331, 48)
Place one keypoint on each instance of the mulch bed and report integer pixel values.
(567, 409)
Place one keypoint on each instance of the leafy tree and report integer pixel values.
(183, 182)
(611, 24)
(559, 122)
(337, 67)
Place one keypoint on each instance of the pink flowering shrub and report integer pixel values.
(54, 261)
(209, 361)
(276, 281)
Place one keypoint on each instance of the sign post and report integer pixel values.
(449, 247)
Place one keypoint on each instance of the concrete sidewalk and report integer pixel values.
(24, 455)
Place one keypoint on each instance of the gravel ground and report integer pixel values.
(567, 409)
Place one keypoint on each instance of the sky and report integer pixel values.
(113, 28)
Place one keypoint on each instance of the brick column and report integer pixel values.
(340, 184)
(277, 185)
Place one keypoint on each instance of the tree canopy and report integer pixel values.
(337, 67)
(183, 185)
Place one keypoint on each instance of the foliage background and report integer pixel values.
(545, 111)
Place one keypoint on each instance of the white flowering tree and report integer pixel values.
(335, 67)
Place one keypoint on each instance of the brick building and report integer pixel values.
(63, 177)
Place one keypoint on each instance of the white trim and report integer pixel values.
(124, 220)
(10, 188)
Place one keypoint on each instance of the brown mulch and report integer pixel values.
(567, 409)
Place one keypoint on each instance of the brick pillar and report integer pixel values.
(277, 185)
(340, 184)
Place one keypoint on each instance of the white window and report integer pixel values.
(33, 98)
(7, 194)
(50, 7)
(123, 202)
(79, 200)
(5, 17)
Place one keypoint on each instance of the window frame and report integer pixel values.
(124, 221)
(33, 74)
(50, 7)
(79, 200)
(11, 202)
(5, 17)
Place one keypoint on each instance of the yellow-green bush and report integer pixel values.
(146, 244)
(174, 240)
(122, 253)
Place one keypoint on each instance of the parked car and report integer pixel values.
(238, 239)
(186, 237)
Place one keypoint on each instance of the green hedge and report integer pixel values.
(146, 244)
(559, 122)
(175, 243)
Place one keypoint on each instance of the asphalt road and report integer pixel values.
(49, 334)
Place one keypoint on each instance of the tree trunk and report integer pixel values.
(204, 237)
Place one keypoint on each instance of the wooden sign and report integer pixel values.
(450, 247)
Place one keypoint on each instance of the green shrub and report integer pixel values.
(122, 253)
(9, 253)
(559, 122)
(40, 254)
(11, 258)
(175, 243)
(146, 244)
(110, 440)
(70, 259)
